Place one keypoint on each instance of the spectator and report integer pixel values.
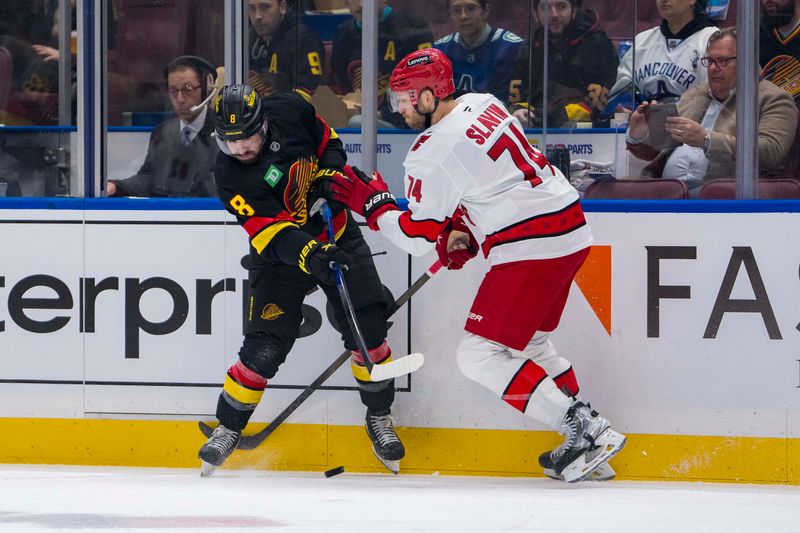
(181, 153)
(667, 57)
(581, 66)
(285, 54)
(399, 33)
(780, 44)
(482, 56)
(706, 123)
(29, 30)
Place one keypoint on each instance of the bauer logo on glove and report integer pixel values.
(369, 197)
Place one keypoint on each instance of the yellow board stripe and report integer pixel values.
(240, 393)
(261, 240)
(318, 447)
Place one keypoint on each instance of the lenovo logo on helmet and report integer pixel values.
(419, 61)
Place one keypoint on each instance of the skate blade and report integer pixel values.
(607, 445)
(602, 472)
(206, 469)
(393, 466)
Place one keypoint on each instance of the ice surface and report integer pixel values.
(50, 498)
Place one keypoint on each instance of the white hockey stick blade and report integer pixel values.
(607, 445)
(398, 367)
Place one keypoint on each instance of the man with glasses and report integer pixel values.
(181, 152)
(705, 128)
(483, 57)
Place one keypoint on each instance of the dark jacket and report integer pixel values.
(581, 68)
(172, 169)
(292, 60)
(399, 34)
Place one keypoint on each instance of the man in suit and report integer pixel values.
(181, 153)
(705, 128)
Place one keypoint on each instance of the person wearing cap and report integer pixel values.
(276, 157)
(475, 183)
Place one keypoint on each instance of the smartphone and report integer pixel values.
(657, 115)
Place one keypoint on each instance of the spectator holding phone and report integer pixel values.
(704, 129)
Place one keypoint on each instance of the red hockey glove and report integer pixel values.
(454, 259)
(369, 197)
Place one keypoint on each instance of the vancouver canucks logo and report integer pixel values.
(271, 312)
(300, 179)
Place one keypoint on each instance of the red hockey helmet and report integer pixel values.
(428, 68)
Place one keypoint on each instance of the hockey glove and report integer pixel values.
(316, 258)
(453, 256)
(369, 197)
(323, 181)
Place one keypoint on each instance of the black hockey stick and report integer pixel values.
(390, 369)
(250, 442)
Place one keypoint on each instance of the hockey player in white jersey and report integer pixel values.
(667, 57)
(473, 181)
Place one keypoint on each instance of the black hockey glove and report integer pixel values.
(316, 257)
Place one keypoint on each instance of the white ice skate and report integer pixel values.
(589, 441)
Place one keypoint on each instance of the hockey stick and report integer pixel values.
(383, 371)
(250, 442)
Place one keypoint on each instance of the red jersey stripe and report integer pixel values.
(255, 224)
(427, 229)
(548, 225)
(523, 384)
(246, 377)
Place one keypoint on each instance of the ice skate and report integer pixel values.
(385, 443)
(589, 441)
(217, 448)
(602, 472)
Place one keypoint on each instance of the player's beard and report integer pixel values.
(782, 16)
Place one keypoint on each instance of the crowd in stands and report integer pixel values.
(593, 69)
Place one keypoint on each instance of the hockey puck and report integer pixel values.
(334, 471)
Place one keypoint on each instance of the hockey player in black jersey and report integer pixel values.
(276, 154)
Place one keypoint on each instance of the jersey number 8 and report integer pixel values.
(240, 206)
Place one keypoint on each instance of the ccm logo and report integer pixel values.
(475, 316)
(378, 198)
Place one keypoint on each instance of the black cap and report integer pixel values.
(237, 113)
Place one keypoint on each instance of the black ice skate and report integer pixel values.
(589, 441)
(385, 443)
(217, 448)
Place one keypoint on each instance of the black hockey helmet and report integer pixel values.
(239, 122)
(237, 113)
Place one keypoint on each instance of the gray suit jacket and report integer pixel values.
(172, 169)
(777, 126)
